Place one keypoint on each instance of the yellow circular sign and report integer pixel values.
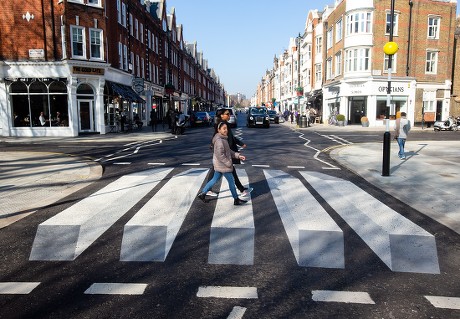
(390, 48)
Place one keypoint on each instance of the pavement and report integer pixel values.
(427, 180)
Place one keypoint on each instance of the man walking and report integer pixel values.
(402, 128)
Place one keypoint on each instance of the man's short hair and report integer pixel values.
(403, 114)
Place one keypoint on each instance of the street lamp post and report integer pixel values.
(298, 71)
(390, 48)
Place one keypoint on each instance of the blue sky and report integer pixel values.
(240, 38)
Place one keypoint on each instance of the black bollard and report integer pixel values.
(386, 154)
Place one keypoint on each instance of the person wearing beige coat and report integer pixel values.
(223, 164)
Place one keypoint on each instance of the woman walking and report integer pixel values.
(223, 164)
(223, 115)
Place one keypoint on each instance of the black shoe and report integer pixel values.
(202, 196)
(238, 201)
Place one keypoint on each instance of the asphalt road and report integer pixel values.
(186, 284)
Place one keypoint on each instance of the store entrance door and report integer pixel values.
(86, 116)
(357, 108)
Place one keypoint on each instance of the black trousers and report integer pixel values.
(237, 180)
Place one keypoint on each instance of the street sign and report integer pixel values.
(138, 85)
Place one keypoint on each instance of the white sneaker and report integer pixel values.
(211, 193)
(247, 191)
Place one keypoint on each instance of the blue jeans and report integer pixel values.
(401, 143)
(217, 175)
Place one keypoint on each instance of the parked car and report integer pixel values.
(274, 117)
(212, 115)
(233, 119)
(258, 116)
(200, 118)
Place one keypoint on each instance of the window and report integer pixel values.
(357, 60)
(338, 63)
(308, 52)
(431, 62)
(329, 74)
(429, 101)
(123, 14)
(125, 57)
(393, 63)
(338, 30)
(96, 44)
(94, 2)
(78, 42)
(329, 39)
(395, 23)
(119, 11)
(319, 44)
(359, 22)
(318, 72)
(120, 55)
(131, 25)
(433, 27)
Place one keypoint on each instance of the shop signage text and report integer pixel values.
(398, 89)
(86, 70)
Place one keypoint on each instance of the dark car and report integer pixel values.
(200, 118)
(274, 117)
(258, 116)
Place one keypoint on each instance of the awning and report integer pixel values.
(125, 92)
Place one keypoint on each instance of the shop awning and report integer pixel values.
(126, 92)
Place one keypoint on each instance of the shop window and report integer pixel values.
(30, 100)
(397, 104)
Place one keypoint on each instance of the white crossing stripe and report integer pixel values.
(315, 238)
(237, 313)
(444, 302)
(17, 288)
(342, 296)
(232, 228)
(227, 292)
(116, 289)
(149, 235)
(398, 242)
(66, 235)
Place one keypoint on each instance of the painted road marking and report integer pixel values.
(398, 242)
(315, 238)
(17, 288)
(159, 164)
(444, 302)
(237, 313)
(342, 296)
(66, 235)
(260, 165)
(232, 229)
(116, 289)
(149, 235)
(227, 292)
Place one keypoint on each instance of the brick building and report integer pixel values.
(344, 69)
(74, 66)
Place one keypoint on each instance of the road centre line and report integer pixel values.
(191, 164)
(298, 167)
(260, 165)
(317, 152)
(121, 163)
(17, 288)
(342, 296)
(444, 302)
(227, 292)
(156, 163)
(116, 289)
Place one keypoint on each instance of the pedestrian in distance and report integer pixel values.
(223, 115)
(153, 120)
(223, 164)
(402, 128)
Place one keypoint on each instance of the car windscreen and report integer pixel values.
(258, 111)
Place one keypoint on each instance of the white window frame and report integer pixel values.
(357, 60)
(338, 63)
(393, 63)
(119, 11)
(329, 73)
(125, 57)
(123, 14)
(429, 101)
(318, 72)
(434, 26)
(338, 30)
(95, 3)
(308, 51)
(359, 23)
(319, 44)
(100, 45)
(431, 62)
(395, 23)
(120, 55)
(81, 40)
(329, 39)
